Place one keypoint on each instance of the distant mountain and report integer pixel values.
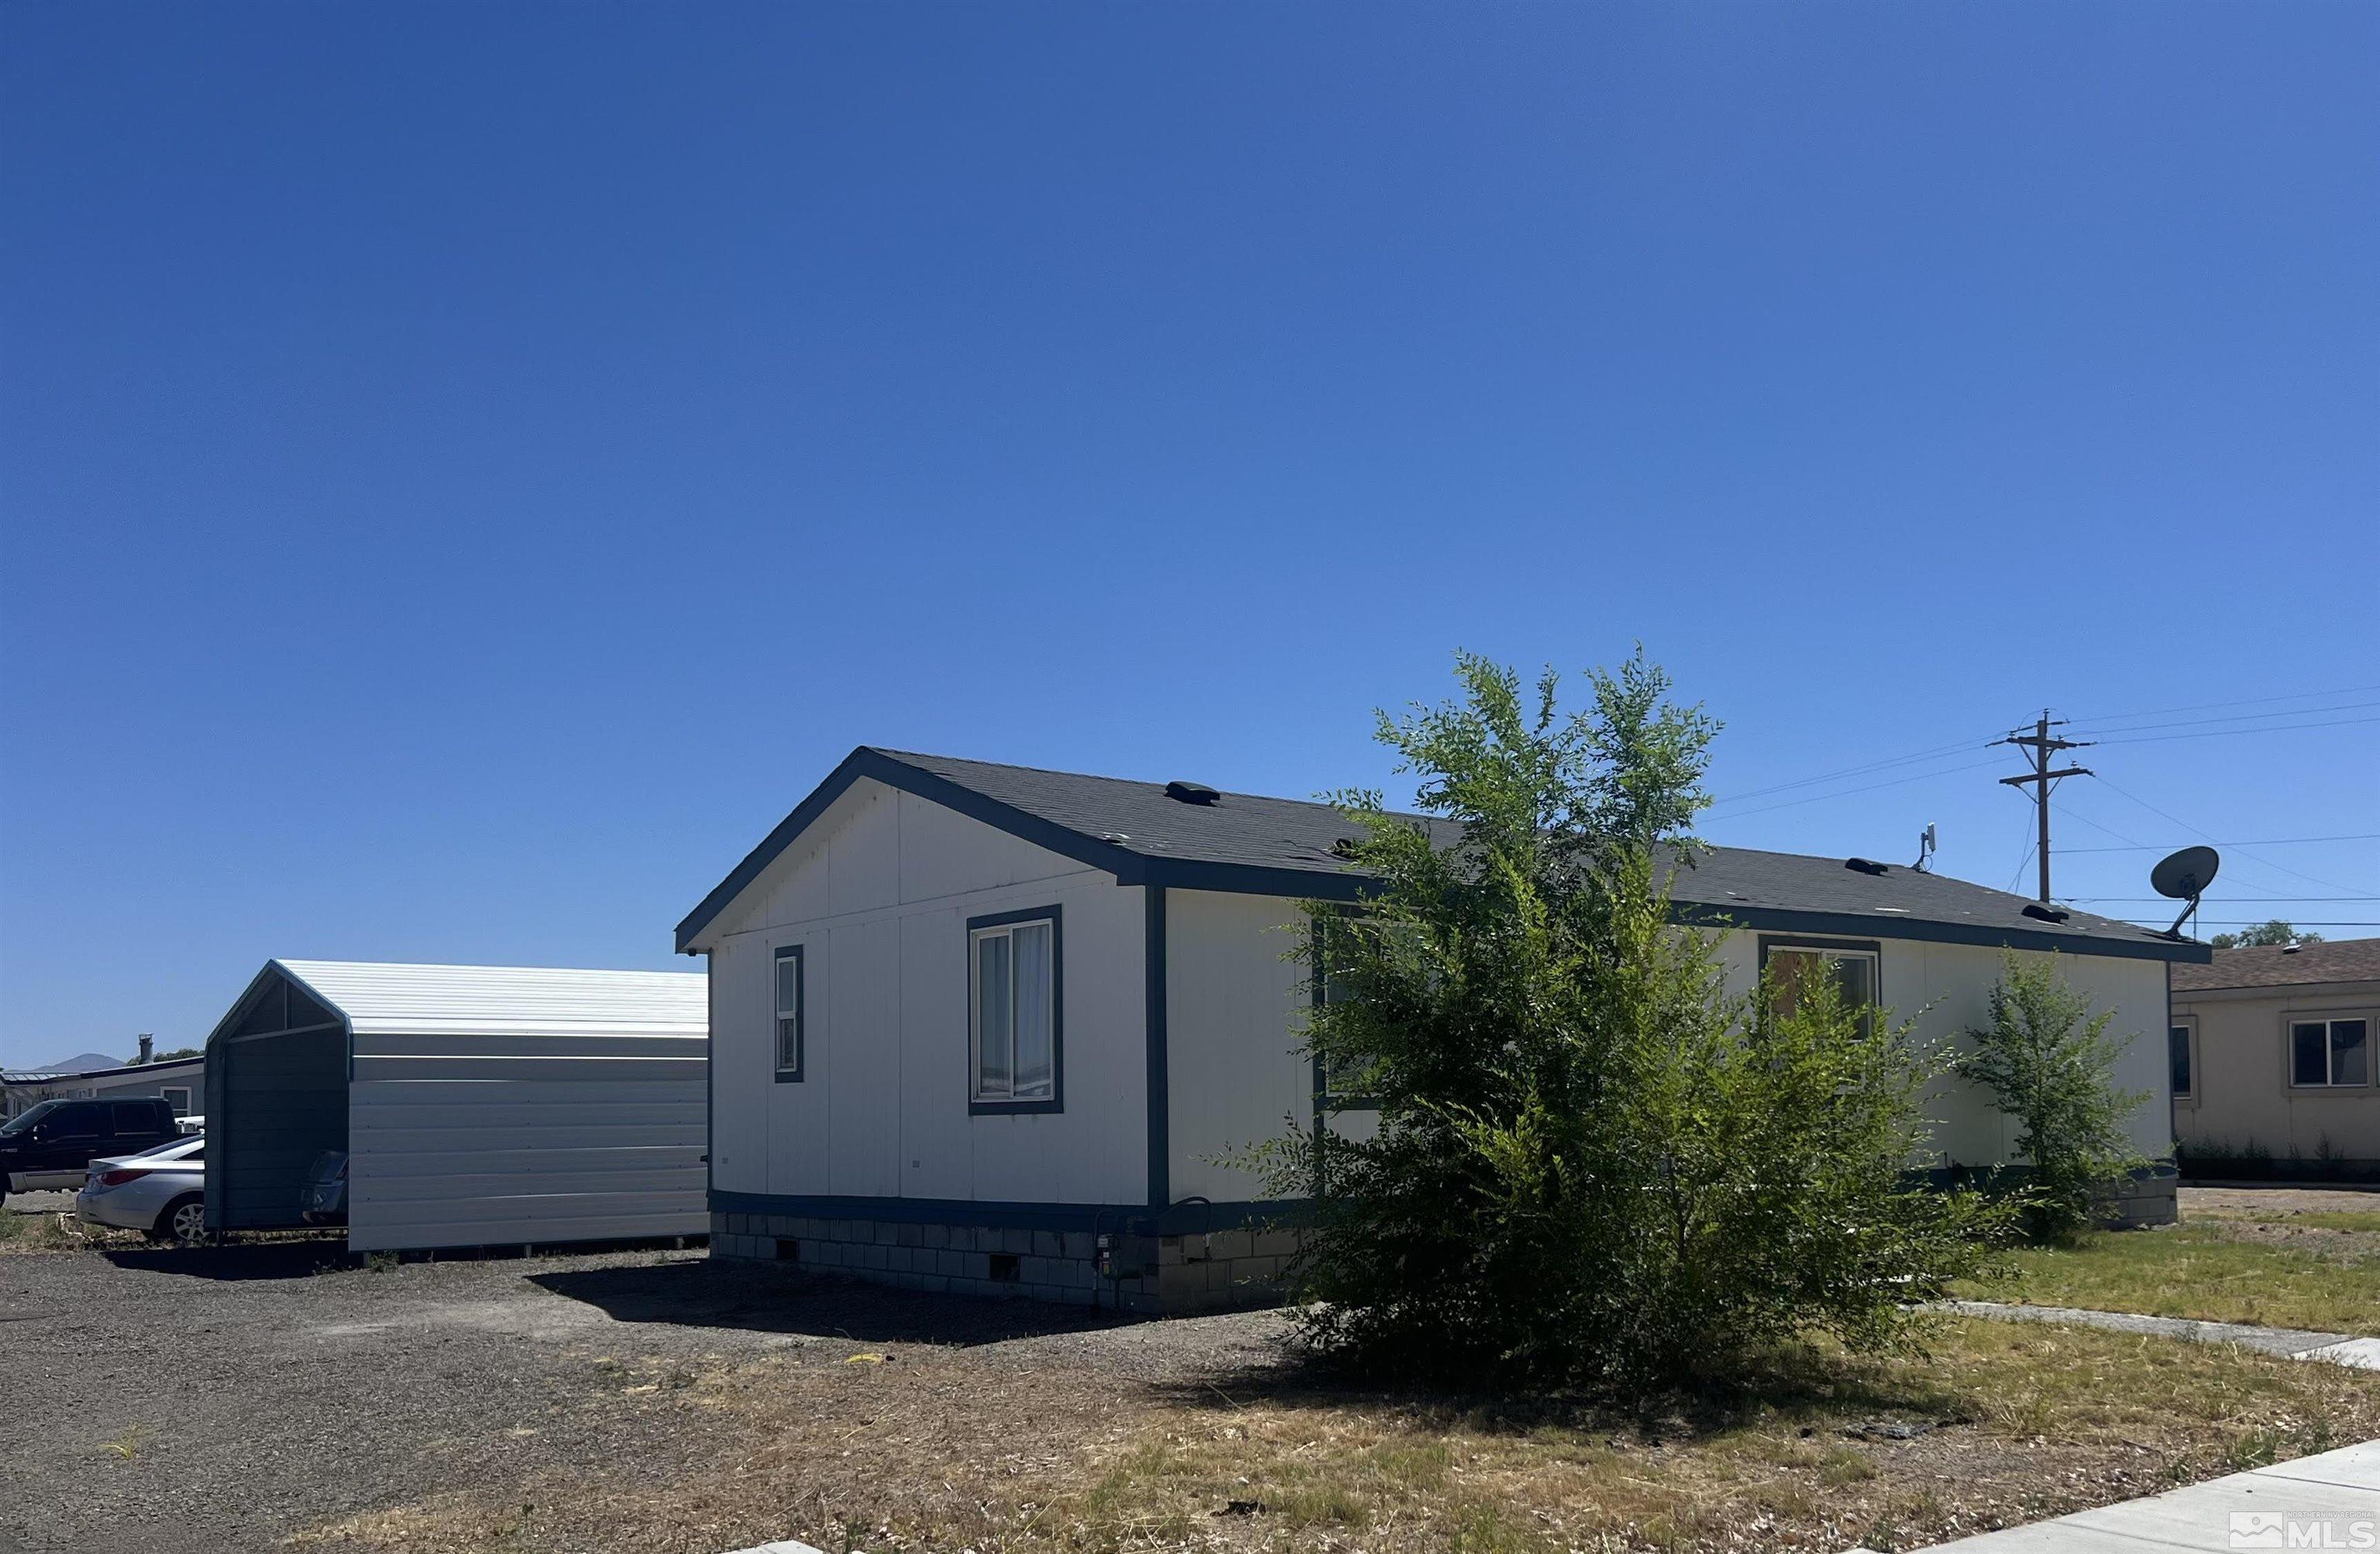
(84, 1062)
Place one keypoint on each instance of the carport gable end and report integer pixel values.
(855, 1122)
(478, 1105)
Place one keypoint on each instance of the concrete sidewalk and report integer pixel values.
(2329, 1502)
(2337, 1349)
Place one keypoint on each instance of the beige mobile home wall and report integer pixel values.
(878, 894)
(1236, 1022)
(2240, 1039)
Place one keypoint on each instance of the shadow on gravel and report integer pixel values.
(276, 1259)
(755, 1298)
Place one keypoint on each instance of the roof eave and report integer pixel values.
(1131, 867)
(866, 761)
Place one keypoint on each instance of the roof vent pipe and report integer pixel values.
(1191, 792)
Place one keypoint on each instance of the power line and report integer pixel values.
(2252, 717)
(2221, 732)
(1936, 753)
(2259, 922)
(2234, 900)
(2130, 845)
(2252, 841)
(2208, 706)
(2266, 863)
(1846, 793)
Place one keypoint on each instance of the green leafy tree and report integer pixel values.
(1591, 1164)
(2278, 933)
(177, 1052)
(2051, 1064)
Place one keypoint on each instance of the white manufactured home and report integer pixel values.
(478, 1106)
(988, 1027)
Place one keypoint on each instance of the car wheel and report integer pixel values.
(184, 1222)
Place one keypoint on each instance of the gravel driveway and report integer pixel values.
(220, 1400)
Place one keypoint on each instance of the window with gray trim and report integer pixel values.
(1856, 970)
(1344, 1084)
(178, 1097)
(2176, 1047)
(788, 981)
(2326, 1053)
(1013, 1013)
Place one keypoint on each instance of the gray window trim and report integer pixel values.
(1872, 948)
(801, 1013)
(2187, 1026)
(1056, 1100)
(2289, 1024)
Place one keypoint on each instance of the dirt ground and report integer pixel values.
(265, 1397)
(2201, 1202)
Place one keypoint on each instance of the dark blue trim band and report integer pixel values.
(1161, 1113)
(1886, 924)
(1182, 1218)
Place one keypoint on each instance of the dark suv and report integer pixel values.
(49, 1143)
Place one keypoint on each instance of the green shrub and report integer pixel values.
(1591, 1164)
(2050, 1062)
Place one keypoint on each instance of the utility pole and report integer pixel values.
(2043, 745)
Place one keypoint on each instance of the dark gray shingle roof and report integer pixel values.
(2346, 960)
(1283, 846)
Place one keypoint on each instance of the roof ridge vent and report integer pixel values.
(1191, 792)
(2047, 914)
(1867, 866)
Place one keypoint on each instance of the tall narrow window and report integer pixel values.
(1343, 1084)
(789, 1013)
(1014, 1020)
(2177, 1045)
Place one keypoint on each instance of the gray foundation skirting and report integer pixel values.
(2148, 1199)
(1224, 1270)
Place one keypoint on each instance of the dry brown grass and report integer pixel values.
(962, 1448)
(60, 1231)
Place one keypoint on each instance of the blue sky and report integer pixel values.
(468, 470)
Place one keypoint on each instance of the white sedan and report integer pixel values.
(161, 1191)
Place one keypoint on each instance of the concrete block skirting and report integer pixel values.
(2146, 1199)
(1158, 1275)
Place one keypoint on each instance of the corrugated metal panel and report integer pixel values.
(479, 1105)
(593, 1148)
(427, 1000)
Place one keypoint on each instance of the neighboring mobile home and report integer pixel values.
(478, 1106)
(180, 1081)
(2274, 1061)
(968, 1020)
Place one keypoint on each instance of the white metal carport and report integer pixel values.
(478, 1105)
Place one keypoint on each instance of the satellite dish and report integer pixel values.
(2184, 876)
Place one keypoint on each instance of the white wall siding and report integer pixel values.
(1946, 988)
(878, 893)
(1237, 1012)
(1236, 1022)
